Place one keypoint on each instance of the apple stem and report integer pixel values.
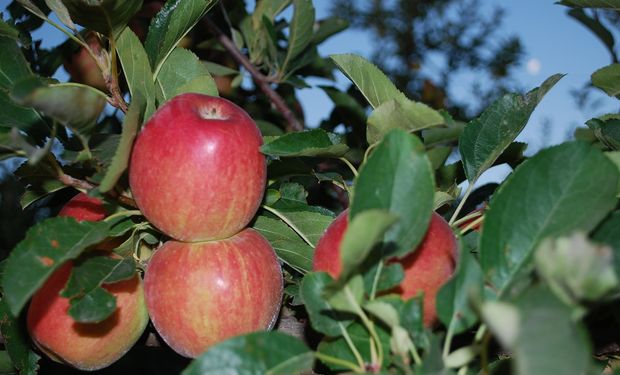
(351, 167)
(448, 343)
(368, 324)
(470, 188)
(356, 353)
(337, 361)
(293, 124)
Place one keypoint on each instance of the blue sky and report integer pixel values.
(554, 43)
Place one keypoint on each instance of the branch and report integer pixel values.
(261, 81)
(85, 185)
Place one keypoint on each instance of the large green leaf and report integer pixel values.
(13, 64)
(289, 247)
(15, 115)
(397, 177)
(95, 269)
(182, 72)
(137, 69)
(608, 79)
(323, 316)
(73, 105)
(531, 205)
(372, 82)
(311, 224)
(316, 142)
(454, 306)
(486, 137)
(300, 34)
(254, 353)
(17, 343)
(62, 12)
(107, 17)
(402, 114)
(120, 161)
(548, 341)
(610, 4)
(46, 247)
(607, 130)
(93, 307)
(170, 25)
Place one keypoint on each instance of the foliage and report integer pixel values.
(535, 291)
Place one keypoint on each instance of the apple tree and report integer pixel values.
(364, 245)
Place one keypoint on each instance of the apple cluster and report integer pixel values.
(197, 174)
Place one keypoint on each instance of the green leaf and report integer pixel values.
(94, 270)
(323, 316)
(32, 7)
(93, 307)
(46, 247)
(346, 297)
(170, 25)
(364, 231)
(268, 9)
(18, 116)
(328, 27)
(316, 142)
(454, 298)
(73, 105)
(289, 247)
(254, 353)
(61, 11)
(182, 72)
(608, 233)
(13, 64)
(120, 161)
(17, 343)
(300, 33)
(397, 177)
(372, 82)
(530, 206)
(548, 340)
(486, 137)
(137, 69)
(607, 130)
(107, 17)
(575, 269)
(608, 79)
(389, 277)
(400, 113)
(310, 224)
(609, 4)
(8, 31)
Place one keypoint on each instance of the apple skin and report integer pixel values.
(201, 293)
(426, 270)
(83, 68)
(86, 346)
(84, 208)
(196, 171)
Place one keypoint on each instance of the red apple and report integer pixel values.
(84, 208)
(426, 269)
(86, 346)
(196, 171)
(83, 68)
(201, 293)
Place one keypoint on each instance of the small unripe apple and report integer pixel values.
(196, 171)
(86, 346)
(83, 68)
(201, 293)
(426, 269)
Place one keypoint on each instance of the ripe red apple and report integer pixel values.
(196, 171)
(84, 208)
(426, 270)
(86, 346)
(201, 293)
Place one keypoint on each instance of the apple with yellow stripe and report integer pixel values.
(196, 170)
(86, 346)
(201, 293)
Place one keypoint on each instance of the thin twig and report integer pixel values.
(261, 81)
(85, 185)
